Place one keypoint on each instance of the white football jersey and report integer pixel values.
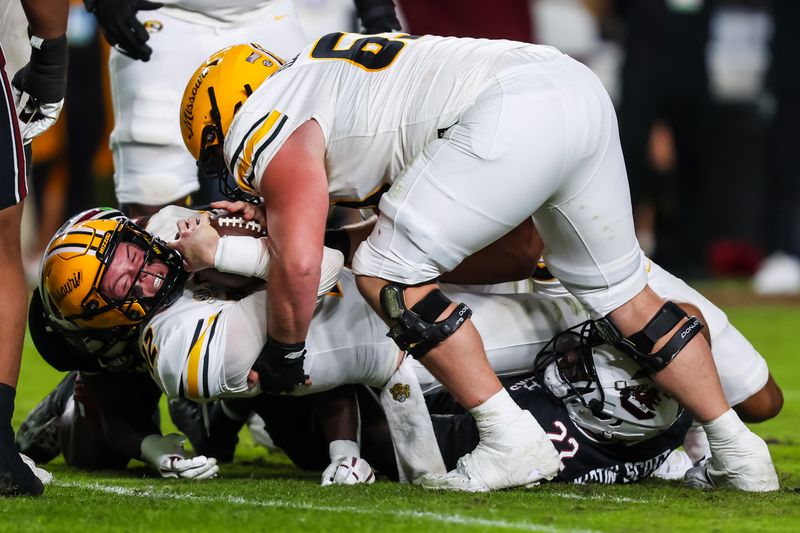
(379, 99)
(204, 345)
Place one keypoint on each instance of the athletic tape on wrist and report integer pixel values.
(242, 255)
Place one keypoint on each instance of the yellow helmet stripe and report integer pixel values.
(246, 162)
(76, 241)
(193, 363)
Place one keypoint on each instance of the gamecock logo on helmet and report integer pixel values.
(640, 400)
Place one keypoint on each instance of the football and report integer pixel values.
(234, 224)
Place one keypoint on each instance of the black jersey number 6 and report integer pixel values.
(370, 53)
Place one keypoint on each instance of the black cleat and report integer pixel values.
(38, 435)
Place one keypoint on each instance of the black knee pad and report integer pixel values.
(640, 344)
(416, 330)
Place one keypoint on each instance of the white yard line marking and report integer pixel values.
(236, 500)
(603, 497)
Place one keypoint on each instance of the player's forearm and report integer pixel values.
(47, 18)
(291, 298)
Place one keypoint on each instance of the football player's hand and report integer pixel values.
(117, 19)
(246, 209)
(348, 471)
(197, 242)
(280, 367)
(166, 454)
(377, 16)
(39, 86)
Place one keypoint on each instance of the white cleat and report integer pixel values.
(674, 467)
(746, 466)
(521, 456)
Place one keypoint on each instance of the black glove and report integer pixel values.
(280, 366)
(117, 19)
(44, 80)
(377, 16)
(16, 478)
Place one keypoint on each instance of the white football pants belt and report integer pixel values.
(416, 450)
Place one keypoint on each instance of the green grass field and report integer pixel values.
(263, 492)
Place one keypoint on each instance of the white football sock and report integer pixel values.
(496, 413)
(723, 429)
(343, 448)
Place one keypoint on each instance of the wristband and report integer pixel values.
(276, 351)
(48, 62)
(242, 255)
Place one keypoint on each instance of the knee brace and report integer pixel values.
(639, 345)
(416, 330)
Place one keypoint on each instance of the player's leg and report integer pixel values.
(219, 436)
(592, 249)
(15, 476)
(763, 405)
(81, 435)
(151, 165)
(38, 435)
(491, 171)
(746, 381)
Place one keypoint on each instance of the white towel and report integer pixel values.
(410, 424)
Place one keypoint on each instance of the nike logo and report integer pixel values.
(280, 17)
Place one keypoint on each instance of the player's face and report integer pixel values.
(571, 366)
(128, 275)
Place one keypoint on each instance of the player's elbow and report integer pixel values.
(304, 268)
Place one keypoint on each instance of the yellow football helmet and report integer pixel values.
(217, 89)
(77, 258)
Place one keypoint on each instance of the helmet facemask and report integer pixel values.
(211, 162)
(569, 355)
(603, 389)
(135, 305)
